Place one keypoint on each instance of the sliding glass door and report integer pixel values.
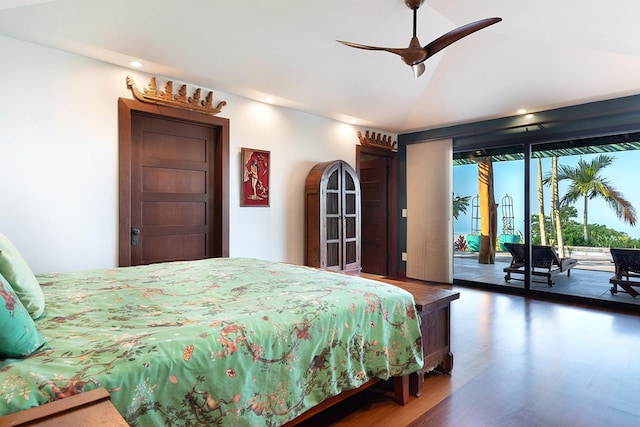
(573, 200)
(489, 216)
(589, 188)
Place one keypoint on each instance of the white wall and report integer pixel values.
(59, 161)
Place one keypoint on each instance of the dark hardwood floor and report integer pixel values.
(519, 362)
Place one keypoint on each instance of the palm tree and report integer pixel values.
(555, 206)
(587, 182)
(543, 234)
(460, 205)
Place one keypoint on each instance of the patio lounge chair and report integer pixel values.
(544, 262)
(627, 270)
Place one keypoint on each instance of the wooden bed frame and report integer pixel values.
(400, 388)
(94, 407)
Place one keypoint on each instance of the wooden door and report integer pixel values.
(173, 185)
(171, 194)
(377, 173)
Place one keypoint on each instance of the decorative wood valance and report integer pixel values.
(151, 95)
(378, 140)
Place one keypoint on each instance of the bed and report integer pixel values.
(224, 341)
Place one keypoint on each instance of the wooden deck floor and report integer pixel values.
(588, 281)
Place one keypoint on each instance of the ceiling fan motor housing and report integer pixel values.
(413, 4)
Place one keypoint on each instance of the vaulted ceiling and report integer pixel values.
(544, 54)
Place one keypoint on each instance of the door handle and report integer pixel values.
(135, 232)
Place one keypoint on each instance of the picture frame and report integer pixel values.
(256, 171)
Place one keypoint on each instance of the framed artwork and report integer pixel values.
(256, 165)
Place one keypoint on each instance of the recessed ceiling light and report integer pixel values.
(270, 99)
(136, 64)
(522, 111)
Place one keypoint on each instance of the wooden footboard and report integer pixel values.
(400, 388)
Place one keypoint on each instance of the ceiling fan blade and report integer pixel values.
(397, 51)
(454, 35)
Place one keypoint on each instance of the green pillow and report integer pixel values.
(17, 272)
(18, 334)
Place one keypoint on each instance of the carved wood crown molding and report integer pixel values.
(377, 140)
(151, 95)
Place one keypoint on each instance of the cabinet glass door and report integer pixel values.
(333, 221)
(350, 211)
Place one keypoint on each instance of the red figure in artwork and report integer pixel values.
(256, 177)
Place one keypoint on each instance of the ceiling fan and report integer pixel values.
(415, 54)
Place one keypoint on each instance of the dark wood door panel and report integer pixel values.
(174, 147)
(175, 180)
(176, 247)
(172, 189)
(374, 188)
(173, 213)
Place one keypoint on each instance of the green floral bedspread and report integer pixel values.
(224, 341)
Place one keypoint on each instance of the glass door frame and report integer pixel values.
(525, 151)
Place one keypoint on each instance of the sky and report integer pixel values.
(623, 174)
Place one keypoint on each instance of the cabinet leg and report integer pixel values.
(416, 382)
(447, 364)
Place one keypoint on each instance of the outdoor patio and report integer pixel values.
(589, 279)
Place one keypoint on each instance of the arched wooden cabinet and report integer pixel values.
(332, 217)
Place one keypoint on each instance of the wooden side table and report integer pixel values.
(88, 409)
(433, 305)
